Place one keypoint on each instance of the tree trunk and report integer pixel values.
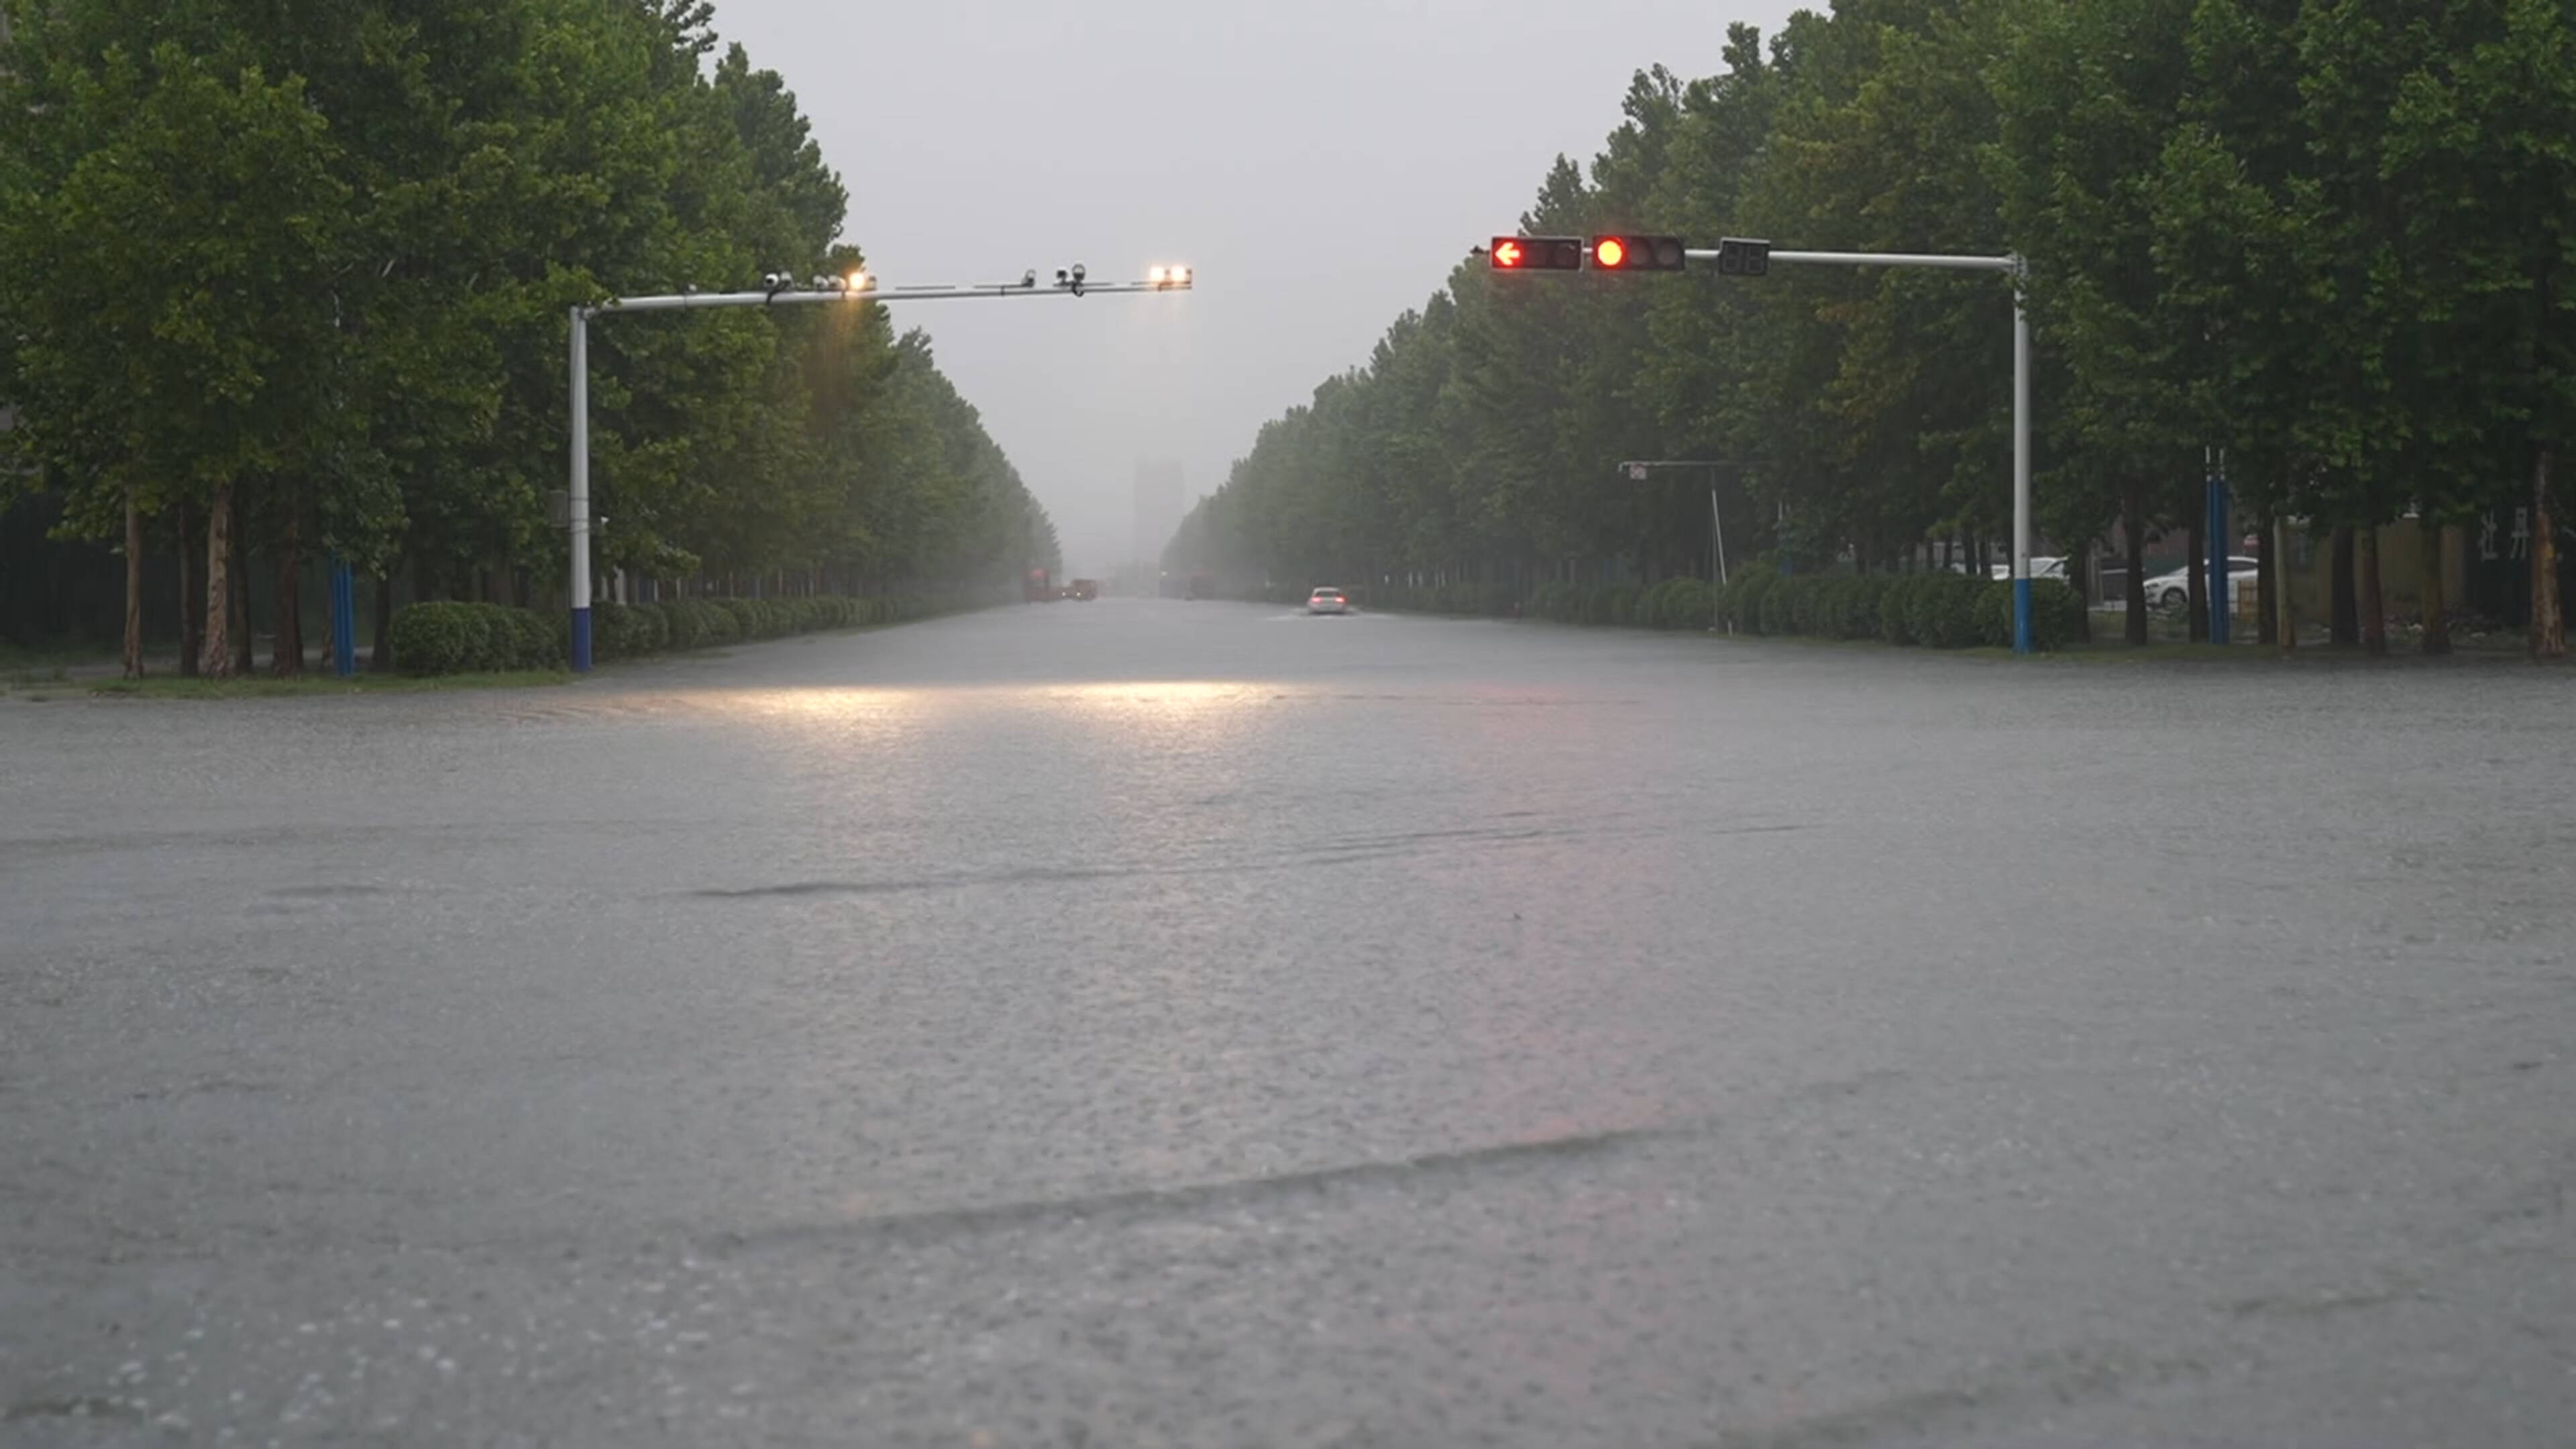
(133, 587)
(2286, 622)
(2196, 536)
(2343, 620)
(2133, 529)
(2267, 584)
(192, 603)
(216, 659)
(2437, 606)
(2079, 574)
(2548, 627)
(380, 658)
(2373, 602)
(286, 656)
(244, 660)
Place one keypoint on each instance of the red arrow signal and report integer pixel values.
(1507, 253)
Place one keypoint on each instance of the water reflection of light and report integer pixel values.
(1188, 704)
(1125, 725)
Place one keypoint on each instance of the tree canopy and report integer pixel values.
(304, 269)
(2325, 235)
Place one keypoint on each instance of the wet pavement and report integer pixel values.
(1147, 1023)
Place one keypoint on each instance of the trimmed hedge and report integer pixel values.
(457, 638)
(1936, 610)
(460, 638)
(1485, 599)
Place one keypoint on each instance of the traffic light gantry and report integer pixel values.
(1620, 252)
(1752, 257)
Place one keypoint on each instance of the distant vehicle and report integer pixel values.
(2172, 592)
(1328, 601)
(2040, 568)
(1202, 587)
(1039, 589)
(1084, 589)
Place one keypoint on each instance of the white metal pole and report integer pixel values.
(1717, 524)
(2022, 631)
(577, 493)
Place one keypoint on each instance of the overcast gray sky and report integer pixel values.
(1322, 164)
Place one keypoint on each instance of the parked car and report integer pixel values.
(1327, 601)
(2040, 568)
(2172, 592)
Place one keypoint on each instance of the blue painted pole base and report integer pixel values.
(2022, 641)
(581, 640)
(344, 620)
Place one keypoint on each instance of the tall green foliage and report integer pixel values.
(2330, 236)
(308, 266)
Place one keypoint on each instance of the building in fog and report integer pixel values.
(1158, 508)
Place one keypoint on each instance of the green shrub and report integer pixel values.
(449, 637)
(682, 624)
(1944, 611)
(1896, 608)
(2056, 614)
(1786, 603)
(2057, 617)
(498, 636)
(1694, 605)
(1995, 614)
(1683, 604)
(1740, 602)
(538, 639)
(429, 639)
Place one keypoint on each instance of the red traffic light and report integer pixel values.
(1637, 253)
(1537, 254)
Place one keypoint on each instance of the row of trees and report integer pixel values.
(2330, 236)
(281, 277)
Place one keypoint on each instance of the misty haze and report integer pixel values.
(1358, 725)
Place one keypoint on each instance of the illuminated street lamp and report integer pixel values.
(776, 289)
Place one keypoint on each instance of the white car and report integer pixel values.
(1327, 601)
(2172, 592)
(2040, 568)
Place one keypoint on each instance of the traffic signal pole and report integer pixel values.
(781, 292)
(2013, 267)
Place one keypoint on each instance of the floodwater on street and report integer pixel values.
(1155, 1023)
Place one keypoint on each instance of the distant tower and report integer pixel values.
(1158, 508)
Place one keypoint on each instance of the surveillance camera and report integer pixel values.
(1030, 278)
(1062, 276)
(821, 282)
(1078, 272)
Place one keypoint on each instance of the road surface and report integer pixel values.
(1148, 1023)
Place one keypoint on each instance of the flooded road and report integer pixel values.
(1141, 1023)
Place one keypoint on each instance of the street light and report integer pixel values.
(776, 288)
(1637, 472)
(1753, 257)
